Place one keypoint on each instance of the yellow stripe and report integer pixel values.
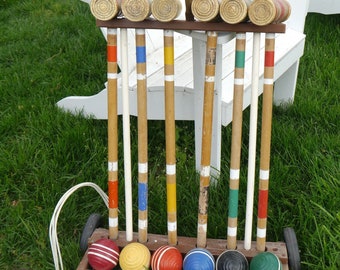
(171, 194)
(168, 55)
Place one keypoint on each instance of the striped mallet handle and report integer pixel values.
(267, 108)
(126, 134)
(236, 138)
(112, 123)
(142, 137)
(209, 85)
(170, 135)
(252, 140)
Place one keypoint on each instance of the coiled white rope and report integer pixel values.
(57, 258)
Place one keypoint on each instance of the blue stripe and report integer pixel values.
(141, 54)
(142, 196)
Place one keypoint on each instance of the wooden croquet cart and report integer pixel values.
(287, 251)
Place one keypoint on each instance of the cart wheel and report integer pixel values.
(294, 260)
(93, 222)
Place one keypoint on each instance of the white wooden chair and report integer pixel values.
(325, 6)
(189, 63)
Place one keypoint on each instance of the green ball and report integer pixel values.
(265, 261)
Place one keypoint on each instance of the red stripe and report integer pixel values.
(269, 59)
(113, 194)
(156, 258)
(111, 53)
(263, 203)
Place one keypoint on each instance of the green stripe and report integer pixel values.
(239, 59)
(233, 203)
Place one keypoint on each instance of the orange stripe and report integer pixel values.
(113, 194)
(263, 203)
(269, 59)
(111, 53)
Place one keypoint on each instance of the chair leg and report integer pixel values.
(285, 85)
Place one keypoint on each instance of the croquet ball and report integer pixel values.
(166, 258)
(134, 256)
(103, 254)
(198, 259)
(265, 261)
(230, 260)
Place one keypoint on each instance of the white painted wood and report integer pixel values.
(126, 135)
(252, 140)
(296, 20)
(324, 6)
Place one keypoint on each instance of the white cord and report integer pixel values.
(57, 258)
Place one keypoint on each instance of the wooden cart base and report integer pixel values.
(185, 244)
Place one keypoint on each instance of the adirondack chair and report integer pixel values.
(324, 6)
(189, 64)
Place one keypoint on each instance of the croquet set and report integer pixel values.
(128, 250)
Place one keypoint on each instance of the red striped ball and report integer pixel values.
(103, 254)
(166, 258)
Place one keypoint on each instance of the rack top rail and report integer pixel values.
(193, 25)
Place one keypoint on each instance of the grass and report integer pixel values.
(52, 49)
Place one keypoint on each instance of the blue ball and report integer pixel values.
(199, 259)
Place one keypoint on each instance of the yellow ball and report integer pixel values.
(135, 256)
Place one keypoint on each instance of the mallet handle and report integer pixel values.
(209, 85)
(236, 139)
(142, 136)
(170, 136)
(126, 134)
(112, 123)
(267, 111)
(252, 140)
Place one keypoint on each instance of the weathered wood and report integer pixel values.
(193, 25)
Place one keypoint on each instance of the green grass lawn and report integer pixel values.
(52, 49)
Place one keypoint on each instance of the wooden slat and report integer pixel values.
(193, 25)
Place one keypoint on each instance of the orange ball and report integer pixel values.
(166, 258)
